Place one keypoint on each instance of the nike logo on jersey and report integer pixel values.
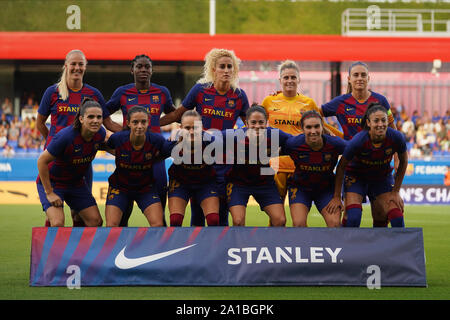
(122, 262)
(131, 99)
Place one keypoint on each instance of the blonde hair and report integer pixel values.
(288, 64)
(63, 88)
(210, 64)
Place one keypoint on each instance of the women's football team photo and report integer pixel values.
(314, 162)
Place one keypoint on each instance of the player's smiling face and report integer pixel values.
(92, 119)
(75, 66)
(289, 81)
(142, 70)
(378, 123)
(359, 77)
(138, 124)
(313, 130)
(223, 70)
(255, 122)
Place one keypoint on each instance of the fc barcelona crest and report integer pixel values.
(388, 151)
(231, 103)
(155, 99)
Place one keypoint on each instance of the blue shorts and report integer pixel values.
(77, 198)
(368, 188)
(265, 195)
(122, 199)
(198, 192)
(321, 199)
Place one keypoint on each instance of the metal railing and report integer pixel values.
(374, 21)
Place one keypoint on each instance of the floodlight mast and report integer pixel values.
(212, 17)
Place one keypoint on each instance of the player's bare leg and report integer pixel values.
(113, 214)
(238, 215)
(177, 208)
(299, 214)
(55, 216)
(154, 215)
(91, 216)
(276, 214)
(210, 207)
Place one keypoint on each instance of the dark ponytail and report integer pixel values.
(256, 108)
(87, 103)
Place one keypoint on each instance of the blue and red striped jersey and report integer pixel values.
(156, 100)
(192, 173)
(134, 168)
(313, 169)
(63, 111)
(369, 161)
(349, 111)
(218, 111)
(73, 156)
(246, 168)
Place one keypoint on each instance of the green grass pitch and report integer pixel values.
(17, 220)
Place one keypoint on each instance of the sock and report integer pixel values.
(395, 217)
(354, 213)
(212, 219)
(176, 220)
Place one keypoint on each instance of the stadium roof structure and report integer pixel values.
(193, 47)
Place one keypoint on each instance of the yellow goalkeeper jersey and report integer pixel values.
(285, 114)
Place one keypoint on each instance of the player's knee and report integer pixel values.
(299, 223)
(94, 222)
(278, 221)
(238, 221)
(57, 223)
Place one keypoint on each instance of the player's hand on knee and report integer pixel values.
(396, 199)
(54, 199)
(334, 206)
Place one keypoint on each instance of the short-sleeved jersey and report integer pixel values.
(369, 161)
(156, 100)
(63, 112)
(192, 173)
(314, 169)
(285, 113)
(349, 111)
(73, 156)
(218, 111)
(245, 169)
(134, 168)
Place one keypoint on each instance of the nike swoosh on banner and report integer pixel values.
(123, 262)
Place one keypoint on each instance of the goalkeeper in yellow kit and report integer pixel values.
(284, 110)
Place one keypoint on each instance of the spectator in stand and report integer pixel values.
(415, 152)
(3, 120)
(446, 117)
(3, 135)
(414, 117)
(436, 116)
(7, 107)
(395, 114)
(8, 151)
(29, 105)
(408, 129)
(14, 131)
